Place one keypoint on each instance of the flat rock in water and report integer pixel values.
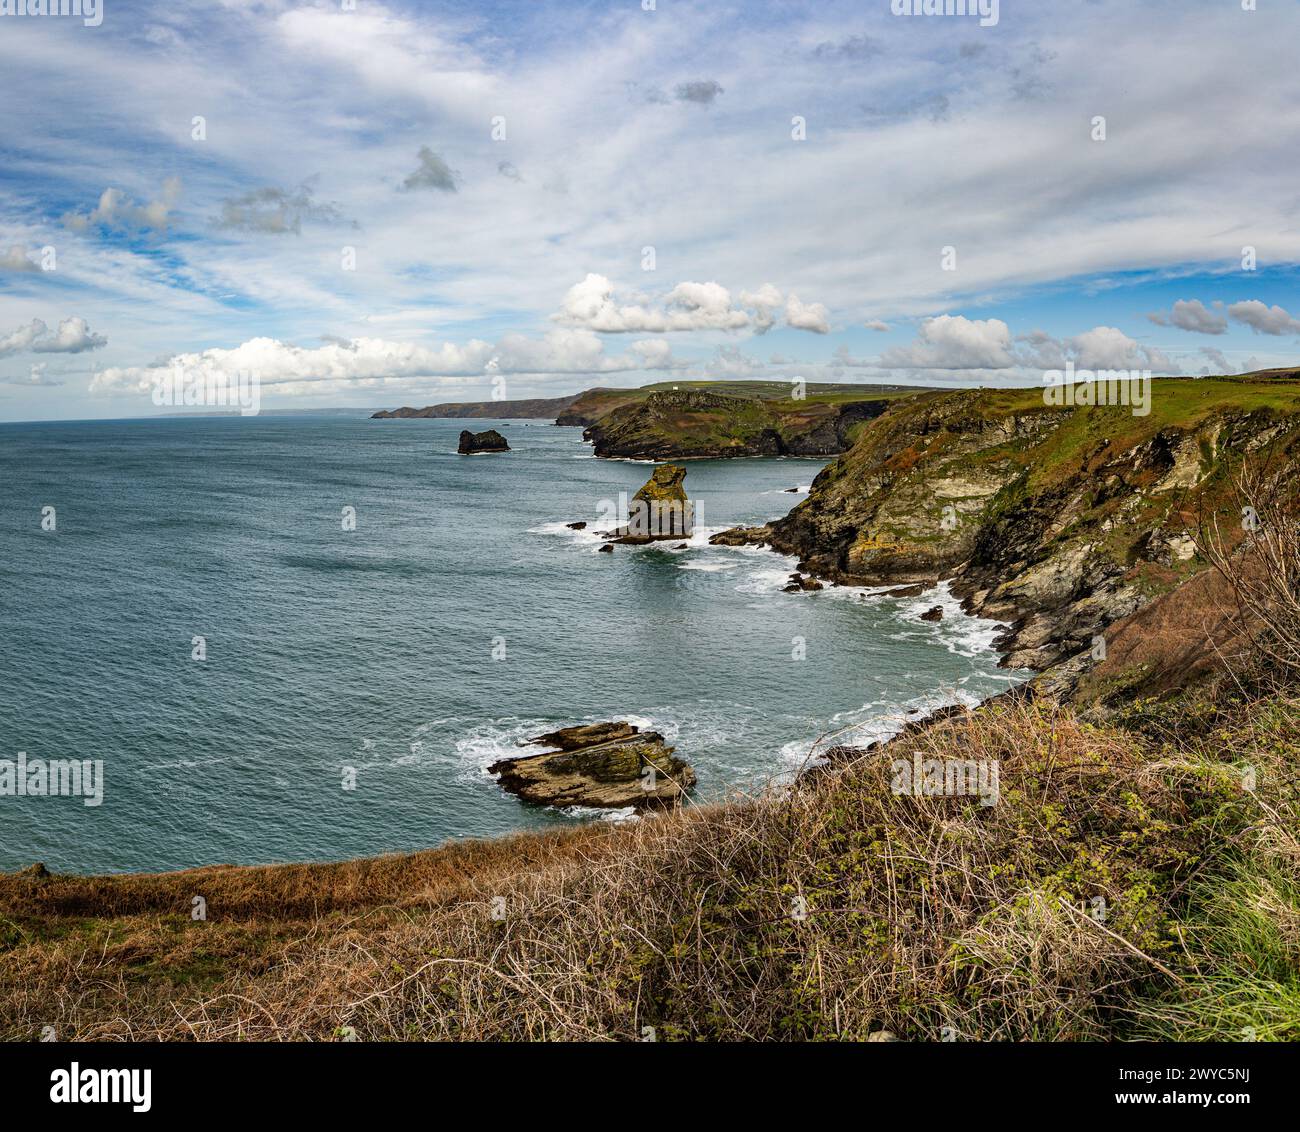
(906, 591)
(600, 765)
(935, 614)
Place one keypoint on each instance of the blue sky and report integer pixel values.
(498, 171)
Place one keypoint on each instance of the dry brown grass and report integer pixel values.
(926, 917)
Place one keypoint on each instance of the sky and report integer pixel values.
(381, 204)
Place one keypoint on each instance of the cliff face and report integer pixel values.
(1060, 521)
(695, 424)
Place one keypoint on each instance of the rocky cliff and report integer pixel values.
(695, 424)
(1059, 521)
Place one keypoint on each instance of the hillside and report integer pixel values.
(695, 424)
(541, 408)
(1059, 520)
(592, 406)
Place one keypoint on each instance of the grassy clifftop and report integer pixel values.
(1126, 883)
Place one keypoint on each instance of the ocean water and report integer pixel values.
(459, 617)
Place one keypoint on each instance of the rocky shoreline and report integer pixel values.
(1059, 523)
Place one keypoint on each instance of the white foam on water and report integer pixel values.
(708, 566)
(589, 813)
(489, 742)
(873, 722)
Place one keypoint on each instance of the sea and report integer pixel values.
(306, 638)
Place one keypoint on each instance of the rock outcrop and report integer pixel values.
(605, 765)
(660, 510)
(472, 443)
(1059, 521)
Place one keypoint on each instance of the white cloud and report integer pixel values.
(807, 316)
(15, 259)
(117, 210)
(764, 302)
(375, 361)
(1105, 347)
(73, 337)
(1192, 315)
(595, 304)
(955, 342)
(1264, 319)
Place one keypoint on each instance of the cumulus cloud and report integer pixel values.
(1193, 315)
(15, 259)
(1263, 319)
(764, 302)
(433, 173)
(876, 324)
(1106, 347)
(375, 361)
(701, 92)
(37, 379)
(807, 316)
(118, 211)
(595, 304)
(508, 169)
(955, 342)
(275, 211)
(72, 337)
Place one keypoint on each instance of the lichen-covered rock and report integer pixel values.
(606, 765)
(660, 510)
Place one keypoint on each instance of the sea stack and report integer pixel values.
(609, 765)
(660, 510)
(472, 443)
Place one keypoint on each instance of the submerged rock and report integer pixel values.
(600, 764)
(907, 591)
(471, 443)
(798, 583)
(742, 536)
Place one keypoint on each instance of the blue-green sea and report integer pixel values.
(458, 617)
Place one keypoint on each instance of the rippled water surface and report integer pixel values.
(377, 648)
